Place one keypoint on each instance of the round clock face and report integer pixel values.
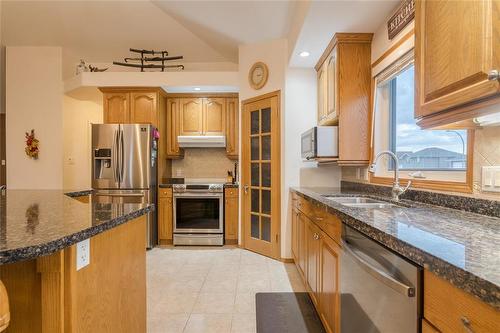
(257, 75)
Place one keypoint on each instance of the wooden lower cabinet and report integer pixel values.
(450, 309)
(317, 257)
(165, 215)
(231, 215)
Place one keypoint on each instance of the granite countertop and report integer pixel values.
(226, 185)
(34, 223)
(459, 246)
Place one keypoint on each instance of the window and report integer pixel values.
(423, 154)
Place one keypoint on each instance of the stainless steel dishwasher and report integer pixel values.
(380, 291)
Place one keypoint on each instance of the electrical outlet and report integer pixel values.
(82, 254)
(490, 179)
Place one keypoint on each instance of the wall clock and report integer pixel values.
(258, 74)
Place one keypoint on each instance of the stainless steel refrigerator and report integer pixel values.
(124, 163)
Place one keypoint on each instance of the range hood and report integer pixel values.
(201, 141)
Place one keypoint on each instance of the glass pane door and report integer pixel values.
(260, 175)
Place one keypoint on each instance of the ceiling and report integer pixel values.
(325, 18)
(202, 31)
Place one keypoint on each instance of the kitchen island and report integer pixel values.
(49, 289)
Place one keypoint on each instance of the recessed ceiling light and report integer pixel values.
(304, 54)
(197, 88)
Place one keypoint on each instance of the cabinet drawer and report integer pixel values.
(231, 192)
(330, 224)
(165, 192)
(450, 309)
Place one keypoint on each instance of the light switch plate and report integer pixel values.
(82, 254)
(490, 179)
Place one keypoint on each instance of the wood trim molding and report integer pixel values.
(276, 93)
(132, 89)
(201, 94)
(403, 39)
(343, 37)
(448, 186)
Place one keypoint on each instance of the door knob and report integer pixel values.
(493, 75)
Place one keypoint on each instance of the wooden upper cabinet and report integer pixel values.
(214, 116)
(344, 90)
(116, 108)
(191, 116)
(232, 128)
(173, 150)
(457, 44)
(143, 107)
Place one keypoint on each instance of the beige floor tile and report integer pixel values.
(251, 258)
(167, 323)
(178, 302)
(256, 269)
(244, 303)
(214, 303)
(209, 323)
(256, 283)
(220, 285)
(243, 323)
(287, 285)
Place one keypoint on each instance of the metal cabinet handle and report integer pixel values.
(467, 325)
(319, 218)
(316, 236)
(380, 275)
(245, 188)
(493, 75)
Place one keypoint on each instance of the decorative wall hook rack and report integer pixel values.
(150, 59)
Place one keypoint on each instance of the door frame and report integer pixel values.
(275, 170)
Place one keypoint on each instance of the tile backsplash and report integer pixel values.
(202, 163)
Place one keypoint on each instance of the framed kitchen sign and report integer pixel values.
(404, 15)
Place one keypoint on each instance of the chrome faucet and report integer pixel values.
(397, 189)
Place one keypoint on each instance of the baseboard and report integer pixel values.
(165, 242)
(231, 242)
(288, 260)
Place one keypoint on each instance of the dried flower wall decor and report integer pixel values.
(32, 143)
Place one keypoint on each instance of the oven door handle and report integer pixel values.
(198, 195)
(378, 274)
(120, 195)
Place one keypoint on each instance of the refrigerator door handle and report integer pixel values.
(114, 156)
(122, 154)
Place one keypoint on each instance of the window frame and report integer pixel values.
(440, 185)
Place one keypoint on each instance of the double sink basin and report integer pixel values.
(361, 202)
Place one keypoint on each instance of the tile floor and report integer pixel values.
(211, 289)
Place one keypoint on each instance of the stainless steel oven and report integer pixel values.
(198, 214)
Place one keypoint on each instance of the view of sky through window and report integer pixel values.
(417, 148)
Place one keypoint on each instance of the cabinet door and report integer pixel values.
(312, 237)
(232, 128)
(173, 129)
(214, 116)
(231, 216)
(329, 293)
(295, 238)
(164, 219)
(331, 86)
(456, 46)
(302, 253)
(191, 116)
(144, 108)
(116, 108)
(322, 86)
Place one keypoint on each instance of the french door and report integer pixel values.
(260, 171)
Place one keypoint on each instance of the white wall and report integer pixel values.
(77, 117)
(34, 101)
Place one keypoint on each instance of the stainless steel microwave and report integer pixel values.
(320, 142)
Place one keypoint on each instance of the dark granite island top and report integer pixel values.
(35, 223)
(459, 246)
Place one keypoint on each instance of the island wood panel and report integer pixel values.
(4, 308)
(143, 107)
(51, 269)
(116, 107)
(428, 328)
(214, 116)
(109, 295)
(231, 207)
(24, 287)
(456, 46)
(446, 307)
(191, 116)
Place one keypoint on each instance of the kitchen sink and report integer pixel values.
(361, 202)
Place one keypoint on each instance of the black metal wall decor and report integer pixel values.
(150, 59)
